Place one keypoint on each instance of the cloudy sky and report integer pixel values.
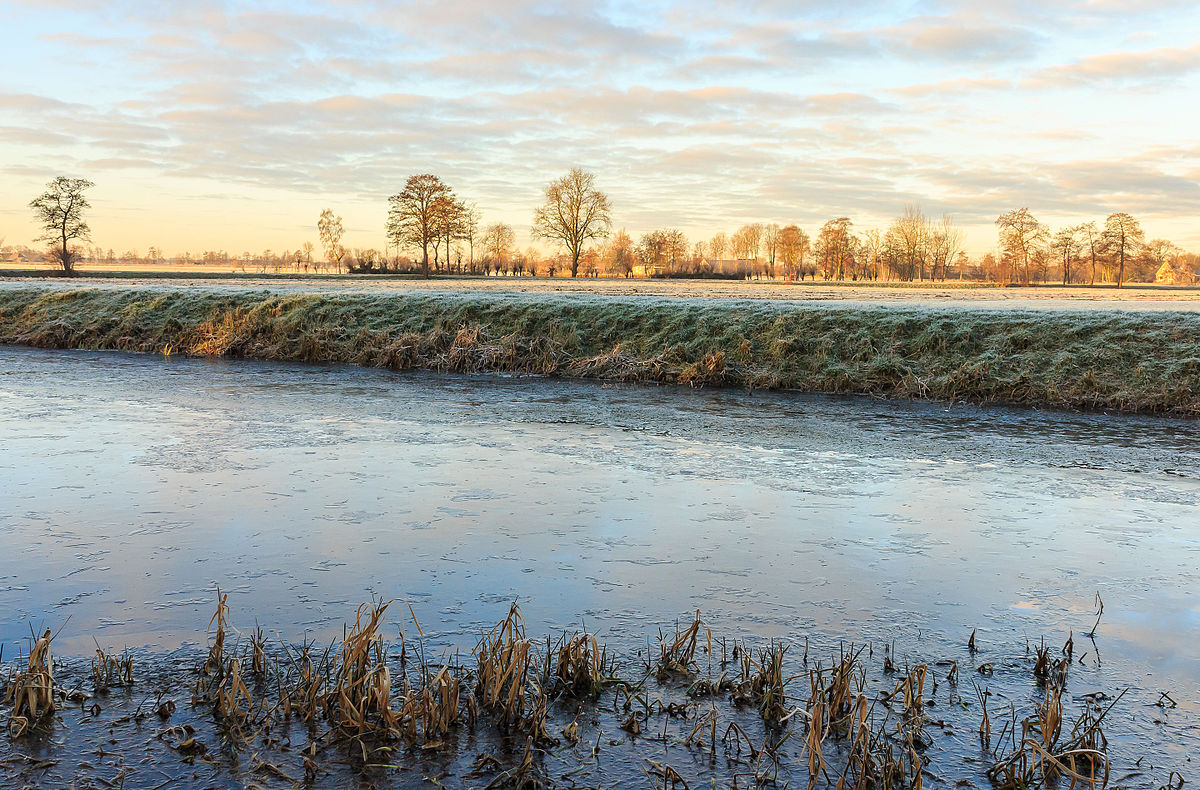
(231, 125)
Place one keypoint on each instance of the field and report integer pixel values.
(967, 293)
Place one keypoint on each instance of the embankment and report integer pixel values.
(1104, 359)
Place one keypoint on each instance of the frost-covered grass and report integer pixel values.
(82, 275)
(1101, 359)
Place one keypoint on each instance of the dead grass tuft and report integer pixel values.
(31, 691)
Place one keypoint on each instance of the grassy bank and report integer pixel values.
(1104, 359)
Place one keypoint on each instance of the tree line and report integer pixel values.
(1083, 253)
(429, 229)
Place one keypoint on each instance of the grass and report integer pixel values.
(1137, 361)
(183, 272)
(212, 272)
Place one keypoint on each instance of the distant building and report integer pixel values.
(20, 257)
(642, 270)
(731, 267)
(1176, 272)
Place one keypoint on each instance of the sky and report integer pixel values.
(231, 125)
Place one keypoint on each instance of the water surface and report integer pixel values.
(132, 486)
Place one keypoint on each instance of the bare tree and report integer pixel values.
(741, 247)
(835, 247)
(989, 268)
(60, 211)
(1090, 236)
(533, 260)
(589, 262)
(944, 242)
(747, 243)
(1167, 262)
(1066, 244)
(793, 246)
(365, 260)
(908, 243)
(619, 255)
(499, 242)
(574, 212)
(675, 247)
(1122, 237)
(1021, 235)
(872, 243)
(471, 219)
(754, 239)
(450, 217)
(699, 253)
(329, 232)
(771, 244)
(717, 246)
(1157, 252)
(413, 214)
(652, 252)
(962, 262)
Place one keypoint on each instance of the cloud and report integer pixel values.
(959, 86)
(1164, 63)
(710, 114)
(960, 41)
(32, 103)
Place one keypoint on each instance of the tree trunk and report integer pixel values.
(64, 259)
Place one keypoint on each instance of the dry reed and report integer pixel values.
(352, 693)
(31, 691)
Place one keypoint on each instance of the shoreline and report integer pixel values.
(1078, 359)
